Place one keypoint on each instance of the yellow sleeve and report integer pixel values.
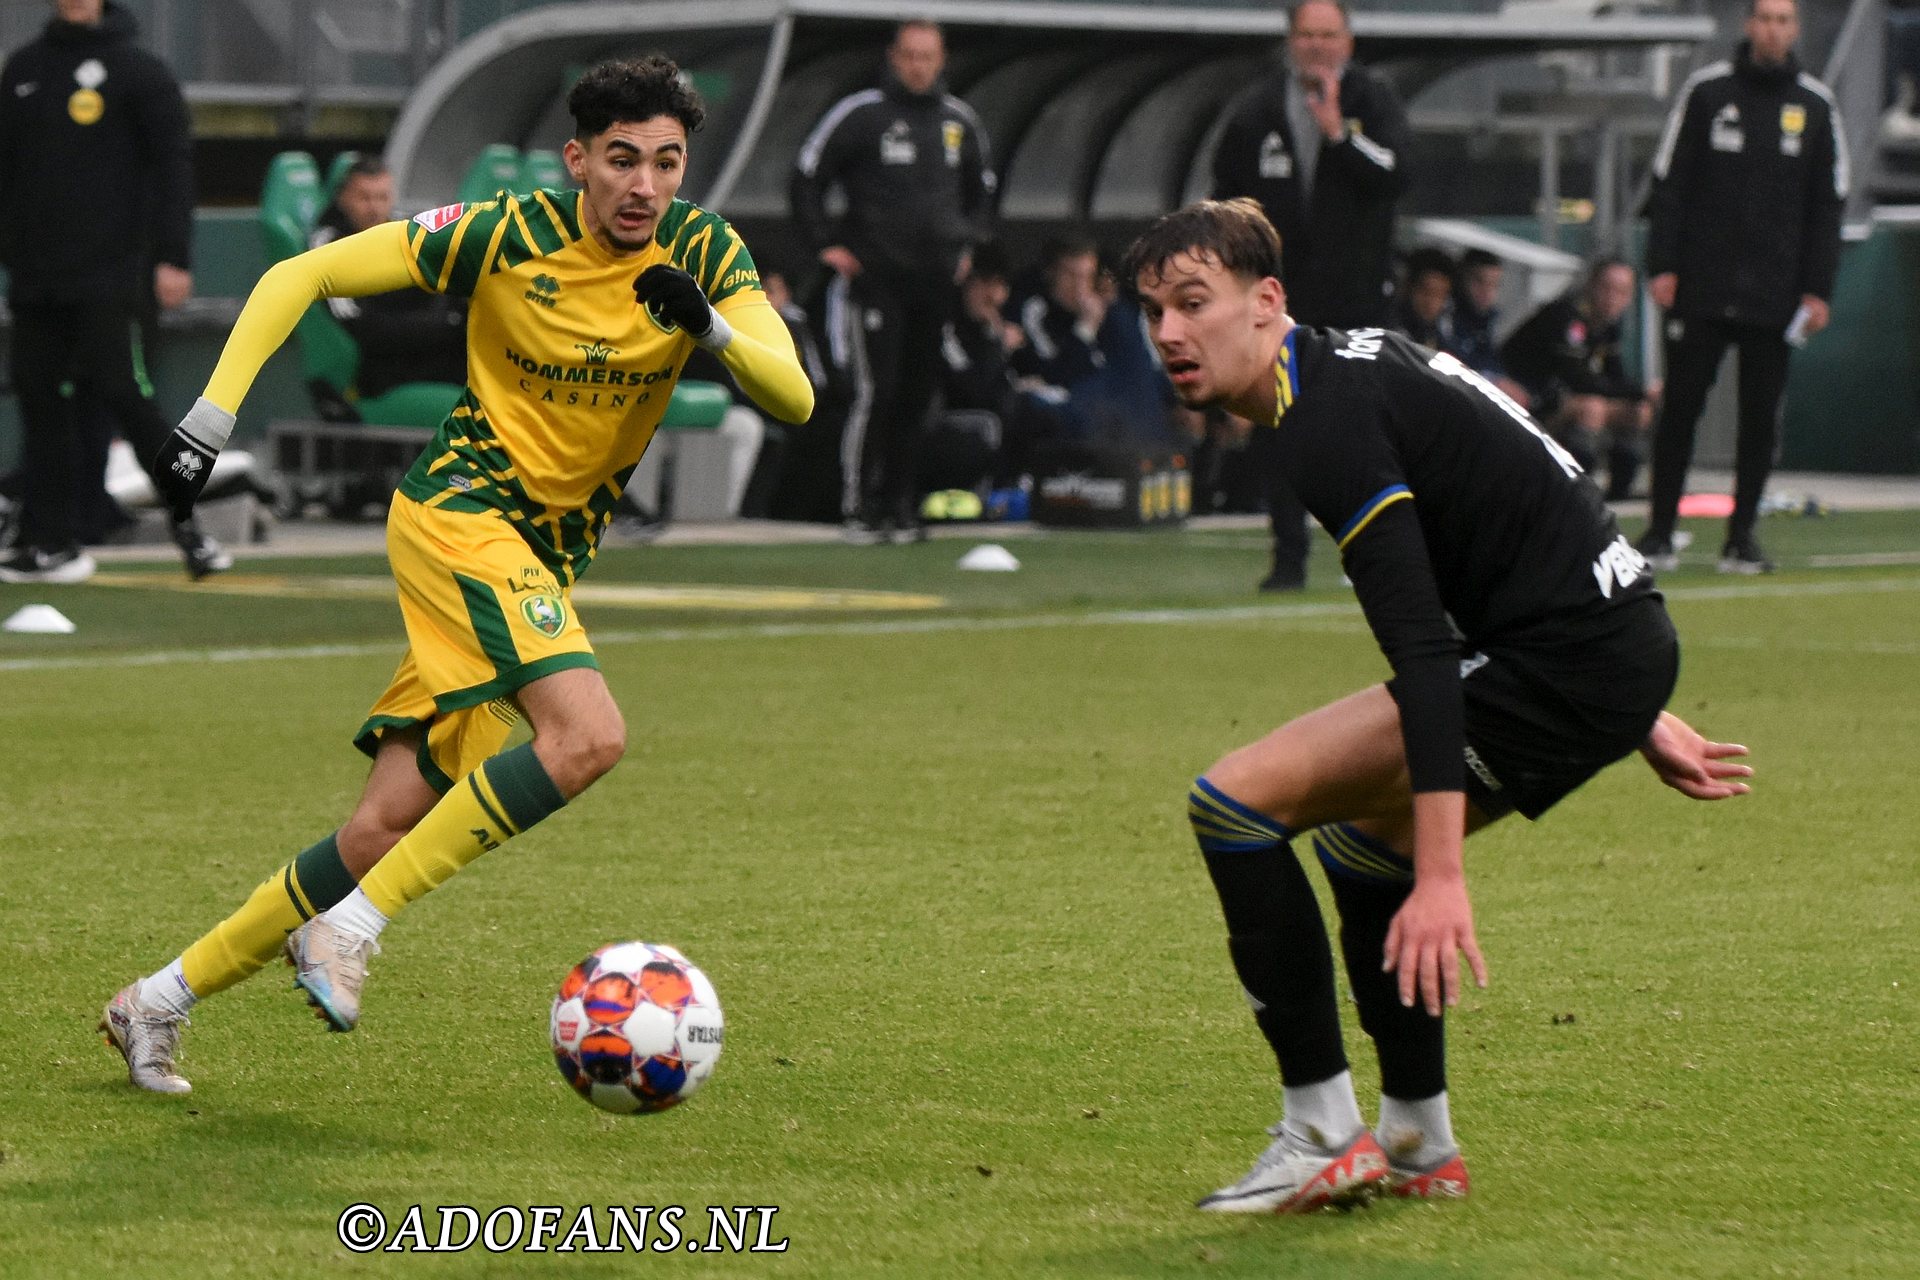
(762, 360)
(372, 261)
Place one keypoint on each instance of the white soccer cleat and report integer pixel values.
(1294, 1175)
(149, 1041)
(330, 965)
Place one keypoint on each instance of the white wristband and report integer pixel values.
(718, 335)
(207, 425)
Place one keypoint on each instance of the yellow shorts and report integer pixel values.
(484, 618)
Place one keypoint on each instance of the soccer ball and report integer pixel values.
(636, 1028)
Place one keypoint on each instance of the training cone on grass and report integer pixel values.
(39, 620)
(989, 557)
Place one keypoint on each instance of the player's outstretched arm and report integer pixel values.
(373, 261)
(751, 339)
(1686, 761)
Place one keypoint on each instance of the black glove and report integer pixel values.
(180, 470)
(675, 298)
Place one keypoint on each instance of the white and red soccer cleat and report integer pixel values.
(1295, 1175)
(1446, 1181)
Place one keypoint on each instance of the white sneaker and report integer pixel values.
(149, 1041)
(330, 965)
(1296, 1176)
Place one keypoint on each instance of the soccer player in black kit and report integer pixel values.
(1529, 651)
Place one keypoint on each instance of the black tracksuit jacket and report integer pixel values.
(96, 164)
(1749, 183)
(1336, 240)
(917, 175)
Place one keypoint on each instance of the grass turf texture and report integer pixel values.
(981, 1020)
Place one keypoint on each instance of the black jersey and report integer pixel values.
(1456, 517)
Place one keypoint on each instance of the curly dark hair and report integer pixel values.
(633, 89)
(1234, 233)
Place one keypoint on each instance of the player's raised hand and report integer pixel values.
(676, 298)
(1686, 761)
(181, 468)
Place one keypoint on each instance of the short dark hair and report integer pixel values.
(1429, 261)
(917, 24)
(1234, 233)
(1293, 12)
(364, 167)
(633, 89)
(1474, 259)
(1603, 265)
(1074, 244)
(990, 263)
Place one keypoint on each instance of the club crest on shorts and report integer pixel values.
(544, 614)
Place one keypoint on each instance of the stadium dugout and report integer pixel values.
(1096, 112)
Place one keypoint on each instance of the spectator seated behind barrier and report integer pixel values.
(411, 345)
(1567, 356)
(1086, 351)
(1473, 334)
(1423, 309)
(978, 382)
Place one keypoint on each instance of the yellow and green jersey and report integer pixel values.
(567, 378)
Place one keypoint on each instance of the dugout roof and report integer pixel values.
(1094, 111)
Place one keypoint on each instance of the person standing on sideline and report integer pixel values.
(599, 296)
(913, 163)
(1749, 182)
(96, 183)
(1322, 146)
(1529, 652)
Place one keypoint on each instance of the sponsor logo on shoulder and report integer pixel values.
(445, 216)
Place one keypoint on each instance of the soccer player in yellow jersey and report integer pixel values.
(585, 307)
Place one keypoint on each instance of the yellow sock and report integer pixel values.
(496, 802)
(236, 947)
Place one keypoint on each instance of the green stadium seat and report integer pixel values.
(495, 169)
(543, 169)
(696, 406)
(290, 203)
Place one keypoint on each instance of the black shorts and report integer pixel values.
(1542, 718)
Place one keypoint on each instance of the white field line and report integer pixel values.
(1280, 613)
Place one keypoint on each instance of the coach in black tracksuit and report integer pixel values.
(1321, 146)
(1749, 182)
(912, 160)
(96, 220)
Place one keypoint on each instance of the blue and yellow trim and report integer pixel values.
(1286, 376)
(1344, 851)
(1224, 825)
(1372, 507)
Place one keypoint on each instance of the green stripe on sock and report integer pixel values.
(293, 894)
(507, 829)
(322, 874)
(521, 782)
(489, 624)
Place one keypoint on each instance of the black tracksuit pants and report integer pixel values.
(894, 326)
(1695, 348)
(75, 371)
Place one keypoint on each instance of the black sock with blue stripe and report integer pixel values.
(1274, 933)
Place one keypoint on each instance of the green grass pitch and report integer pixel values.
(980, 1016)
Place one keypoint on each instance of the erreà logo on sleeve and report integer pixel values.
(445, 216)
